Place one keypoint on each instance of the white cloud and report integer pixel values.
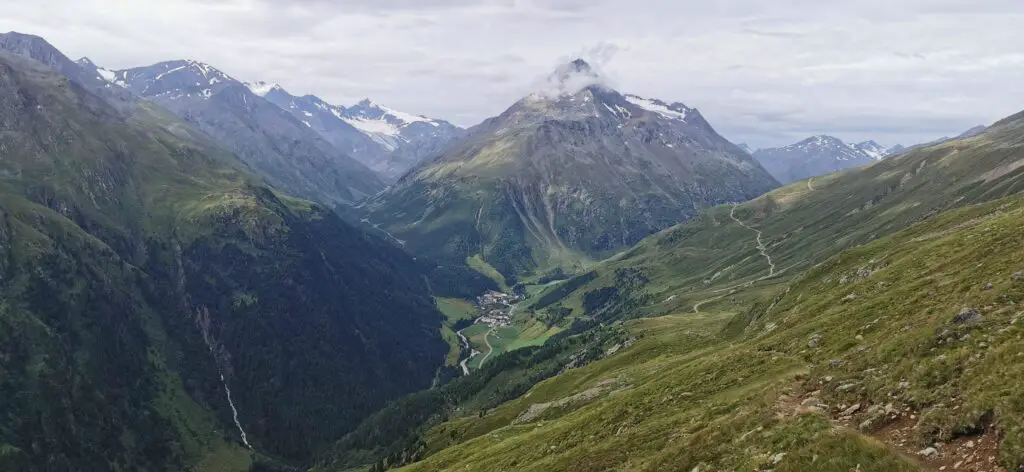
(762, 72)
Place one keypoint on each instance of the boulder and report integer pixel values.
(967, 316)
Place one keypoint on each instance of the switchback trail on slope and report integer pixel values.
(760, 245)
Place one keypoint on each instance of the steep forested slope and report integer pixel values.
(145, 273)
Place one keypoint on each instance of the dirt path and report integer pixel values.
(809, 187)
(764, 252)
(760, 245)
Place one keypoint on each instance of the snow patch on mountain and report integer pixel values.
(382, 124)
(676, 111)
(261, 88)
(873, 150)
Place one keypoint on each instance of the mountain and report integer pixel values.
(388, 141)
(745, 148)
(851, 321)
(566, 175)
(274, 143)
(818, 155)
(874, 150)
(161, 309)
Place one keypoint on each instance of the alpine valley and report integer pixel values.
(204, 274)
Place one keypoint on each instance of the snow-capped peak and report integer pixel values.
(873, 149)
(262, 88)
(839, 150)
(381, 123)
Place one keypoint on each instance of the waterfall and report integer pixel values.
(234, 412)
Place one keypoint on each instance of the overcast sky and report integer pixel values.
(762, 72)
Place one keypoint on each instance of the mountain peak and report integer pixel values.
(23, 36)
(580, 65)
(569, 78)
(262, 88)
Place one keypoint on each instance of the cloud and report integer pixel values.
(766, 73)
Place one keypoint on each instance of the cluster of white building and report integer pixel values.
(495, 308)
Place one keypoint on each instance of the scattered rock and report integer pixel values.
(845, 387)
(812, 401)
(778, 457)
(1017, 276)
(859, 337)
(849, 298)
(834, 363)
(929, 452)
(851, 410)
(814, 341)
(988, 286)
(967, 316)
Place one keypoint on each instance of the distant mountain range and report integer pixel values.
(385, 140)
(819, 155)
(823, 154)
(567, 174)
(269, 139)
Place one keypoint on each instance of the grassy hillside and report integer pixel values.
(861, 363)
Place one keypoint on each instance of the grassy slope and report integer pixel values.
(711, 390)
